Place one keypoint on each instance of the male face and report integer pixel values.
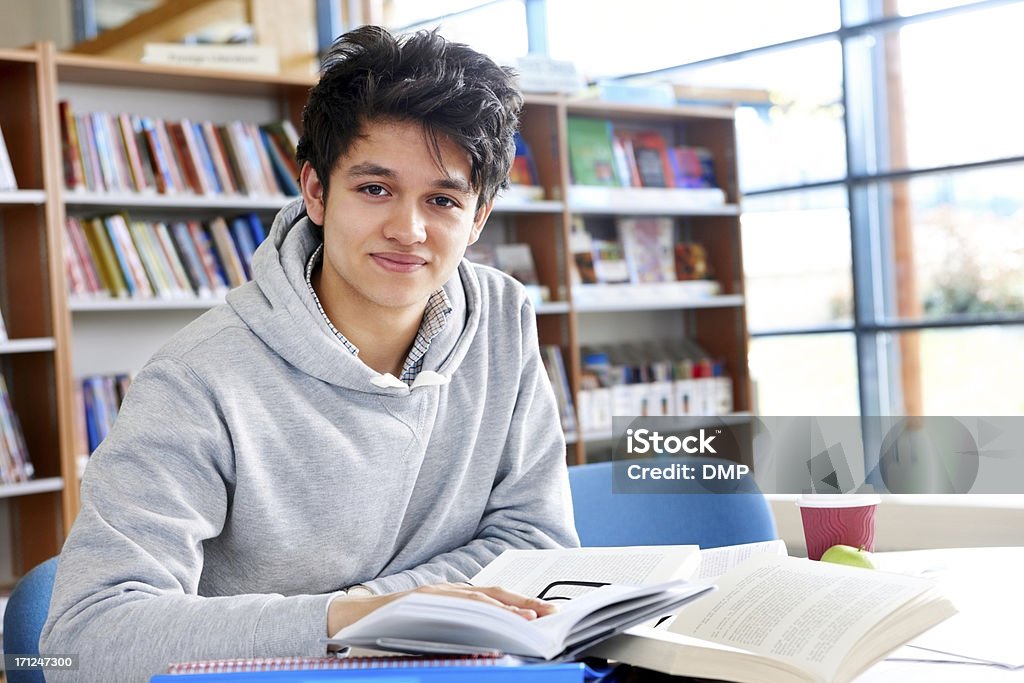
(396, 224)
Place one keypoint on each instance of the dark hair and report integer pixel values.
(450, 88)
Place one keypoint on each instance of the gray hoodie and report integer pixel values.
(257, 468)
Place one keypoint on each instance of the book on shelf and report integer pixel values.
(524, 170)
(651, 378)
(407, 669)
(516, 259)
(691, 261)
(593, 604)
(128, 153)
(551, 355)
(785, 618)
(581, 246)
(591, 154)
(692, 167)
(482, 253)
(15, 463)
(116, 256)
(8, 181)
(128, 257)
(647, 243)
(98, 399)
(647, 156)
(3, 327)
(227, 252)
(610, 265)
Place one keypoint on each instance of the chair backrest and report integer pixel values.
(25, 615)
(710, 520)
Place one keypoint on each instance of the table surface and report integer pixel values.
(986, 586)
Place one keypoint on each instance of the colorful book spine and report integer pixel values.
(74, 174)
(186, 248)
(17, 466)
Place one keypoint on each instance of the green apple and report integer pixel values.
(847, 554)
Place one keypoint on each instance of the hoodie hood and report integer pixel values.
(279, 309)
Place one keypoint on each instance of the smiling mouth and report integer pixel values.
(398, 262)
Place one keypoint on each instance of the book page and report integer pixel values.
(717, 561)
(570, 572)
(812, 613)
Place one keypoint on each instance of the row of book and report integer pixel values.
(8, 181)
(603, 153)
(128, 153)
(643, 249)
(650, 379)
(116, 256)
(15, 464)
(97, 401)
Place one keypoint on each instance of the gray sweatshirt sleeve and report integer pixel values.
(529, 504)
(125, 599)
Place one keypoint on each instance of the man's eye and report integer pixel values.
(375, 190)
(445, 202)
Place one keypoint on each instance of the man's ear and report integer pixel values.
(312, 193)
(478, 221)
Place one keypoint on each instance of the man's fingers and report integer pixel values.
(526, 607)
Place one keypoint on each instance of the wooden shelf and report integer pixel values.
(552, 308)
(74, 68)
(649, 201)
(136, 305)
(19, 197)
(721, 301)
(115, 202)
(33, 345)
(29, 488)
(621, 110)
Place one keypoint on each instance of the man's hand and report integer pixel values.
(349, 609)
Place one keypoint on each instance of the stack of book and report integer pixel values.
(651, 379)
(15, 465)
(115, 256)
(127, 153)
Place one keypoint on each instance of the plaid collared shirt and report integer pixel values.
(435, 317)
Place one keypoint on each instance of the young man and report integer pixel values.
(369, 416)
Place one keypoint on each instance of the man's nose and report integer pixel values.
(407, 224)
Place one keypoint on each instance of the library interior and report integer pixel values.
(770, 256)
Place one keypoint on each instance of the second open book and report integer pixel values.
(772, 617)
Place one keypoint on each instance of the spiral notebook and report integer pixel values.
(407, 669)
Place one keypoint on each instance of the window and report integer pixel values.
(497, 29)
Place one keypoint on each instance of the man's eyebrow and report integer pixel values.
(453, 184)
(368, 168)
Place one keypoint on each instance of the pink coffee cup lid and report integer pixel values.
(838, 500)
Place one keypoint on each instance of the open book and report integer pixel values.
(784, 618)
(587, 583)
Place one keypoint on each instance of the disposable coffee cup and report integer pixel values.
(836, 519)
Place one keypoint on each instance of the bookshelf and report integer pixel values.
(35, 359)
(56, 338)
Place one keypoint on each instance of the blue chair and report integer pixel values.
(710, 520)
(25, 615)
